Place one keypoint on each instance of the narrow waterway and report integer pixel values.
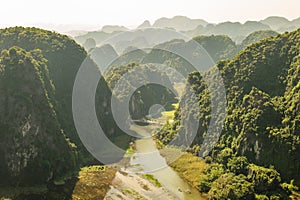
(149, 160)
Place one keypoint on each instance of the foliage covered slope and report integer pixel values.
(33, 147)
(64, 57)
(262, 122)
(38, 136)
(257, 36)
(143, 97)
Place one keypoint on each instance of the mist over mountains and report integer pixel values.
(187, 27)
(171, 66)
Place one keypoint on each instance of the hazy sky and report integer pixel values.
(134, 12)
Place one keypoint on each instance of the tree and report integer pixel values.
(238, 165)
(229, 186)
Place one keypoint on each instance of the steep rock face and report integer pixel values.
(40, 141)
(262, 122)
(64, 58)
(33, 147)
(270, 138)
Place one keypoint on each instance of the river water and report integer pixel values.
(149, 160)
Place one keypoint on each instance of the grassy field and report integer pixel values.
(188, 166)
(93, 183)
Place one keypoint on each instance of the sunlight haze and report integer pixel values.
(134, 12)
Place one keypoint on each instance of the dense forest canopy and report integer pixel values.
(38, 70)
(257, 155)
(262, 84)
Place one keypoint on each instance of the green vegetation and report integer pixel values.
(93, 183)
(241, 179)
(219, 47)
(195, 27)
(189, 167)
(8, 193)
(27, 112)
(39, 142)
(63, 57)
(94, 168)
(261, 128)
(147, 95)
(132, 192)
(257, 155)
(169, 115)
(257, 36)
(229, 186)
(153, 180)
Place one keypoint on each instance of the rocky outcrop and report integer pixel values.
(34, 148)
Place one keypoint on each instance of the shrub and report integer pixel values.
(238, 165)
(261, 197)
(229, 186)
(224, 156)
(264, 179)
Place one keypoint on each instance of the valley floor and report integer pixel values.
(131, 186)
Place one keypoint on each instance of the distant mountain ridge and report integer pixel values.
(281, 24)
(112, 28)
(234, 30)
(179, 23)
(193, 27)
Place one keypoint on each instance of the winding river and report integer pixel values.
(149, 160)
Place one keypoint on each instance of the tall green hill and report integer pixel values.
(262, 122)
(33, 148)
